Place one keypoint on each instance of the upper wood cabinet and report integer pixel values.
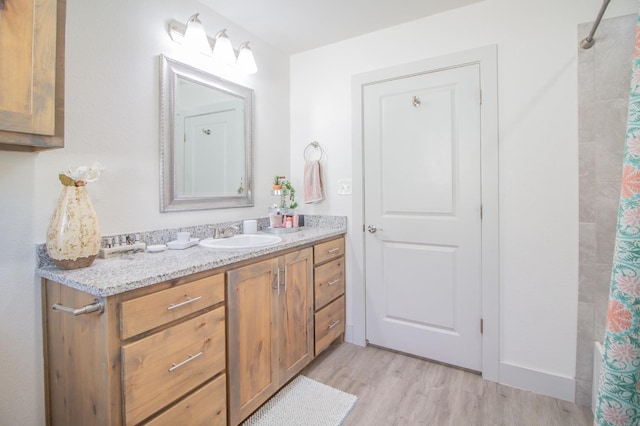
(32, 35)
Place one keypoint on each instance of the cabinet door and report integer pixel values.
(80, 389)
(296, 313)
(253, 365)
(32, 52)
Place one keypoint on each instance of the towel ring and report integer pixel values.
(313, 150)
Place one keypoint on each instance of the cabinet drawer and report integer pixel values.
(329, 324)
(147, 312)
(328, 282)
(327, 251)
(206, 407)
(162, 367)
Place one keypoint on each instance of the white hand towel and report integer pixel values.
(312, 182)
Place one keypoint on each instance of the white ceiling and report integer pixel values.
(298, 25)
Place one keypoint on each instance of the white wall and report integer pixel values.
(112, 115)
(537, 79)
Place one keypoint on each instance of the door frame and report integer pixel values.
(487, 58)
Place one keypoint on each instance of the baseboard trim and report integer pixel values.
(538, 381)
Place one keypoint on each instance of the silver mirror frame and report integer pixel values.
(170, 70)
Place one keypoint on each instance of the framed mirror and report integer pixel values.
(206, 136)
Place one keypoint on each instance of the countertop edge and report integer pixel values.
(74, 278)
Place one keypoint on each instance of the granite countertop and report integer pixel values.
(107, 277)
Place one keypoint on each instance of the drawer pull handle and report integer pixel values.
(333, 250)
(334, 282)
(284, 282)
(186, 302)
(333, 324)
(180, 364)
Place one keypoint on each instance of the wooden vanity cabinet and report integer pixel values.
(154, 355)
(270, 328)
(207, 349)
(329, 288)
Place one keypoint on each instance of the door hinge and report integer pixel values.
(363, 227)
(480, 96)
(481, 212)
(481, 326)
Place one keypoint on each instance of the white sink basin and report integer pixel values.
(242, 241)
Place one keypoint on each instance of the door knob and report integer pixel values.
(373, 229)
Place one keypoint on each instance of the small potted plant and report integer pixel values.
(277, 183)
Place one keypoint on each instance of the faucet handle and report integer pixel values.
(230, 231)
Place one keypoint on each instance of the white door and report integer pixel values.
(207, 138)
(422, 214)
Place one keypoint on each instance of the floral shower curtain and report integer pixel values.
(619, 384)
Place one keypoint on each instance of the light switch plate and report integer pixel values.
(344, 187)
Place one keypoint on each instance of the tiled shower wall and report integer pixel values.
(604, 73)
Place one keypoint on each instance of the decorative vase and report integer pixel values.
(73, 236)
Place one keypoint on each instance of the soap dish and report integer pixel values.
(177, 245)
(156, 248)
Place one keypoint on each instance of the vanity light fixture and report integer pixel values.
(193, 35)
(246, 62)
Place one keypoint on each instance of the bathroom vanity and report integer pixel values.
(211, 340)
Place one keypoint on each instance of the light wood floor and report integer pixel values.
(394, 389)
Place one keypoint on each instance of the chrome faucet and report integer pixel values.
(227, 232)
(230, 231)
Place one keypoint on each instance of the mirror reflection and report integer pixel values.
(206, 140)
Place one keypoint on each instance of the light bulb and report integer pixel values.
(222, 50)
(246, 62)
(195, 37)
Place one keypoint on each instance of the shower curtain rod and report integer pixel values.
(588, 42)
